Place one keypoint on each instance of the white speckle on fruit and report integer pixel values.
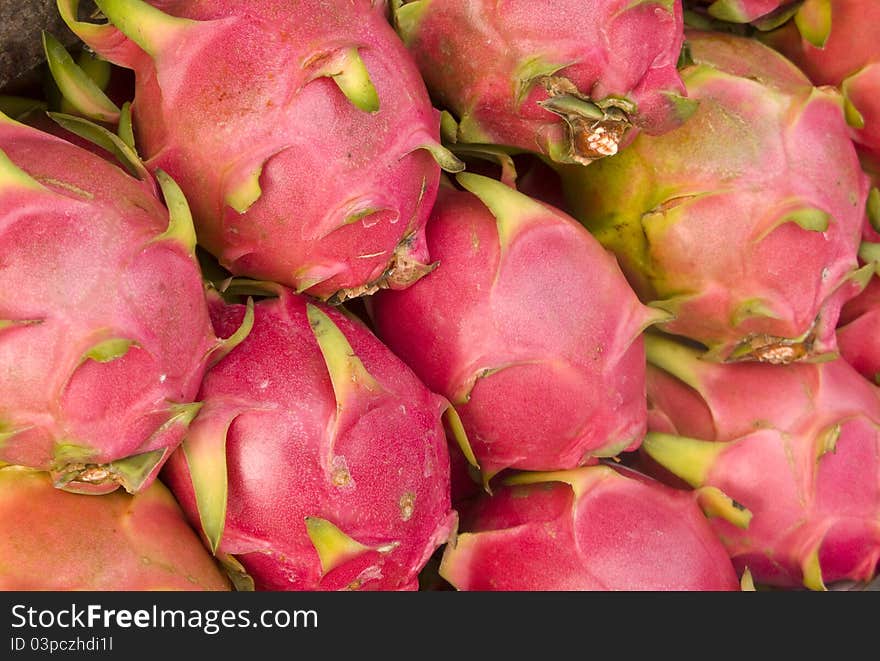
(602, 142)
(407, 505)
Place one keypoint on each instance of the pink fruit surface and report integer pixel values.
(568, 79)
(593, 528)
(871, 229)
(319, 460)
(104, 326)
(785, 460)
(65, 541)
(729, 222)
(840, 45)
(858, 333)
(742, 11)
(527, 326)
(300, 132)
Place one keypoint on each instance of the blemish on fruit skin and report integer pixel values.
(407, 505)
(371, 573)
(340, 475)
(387, 548)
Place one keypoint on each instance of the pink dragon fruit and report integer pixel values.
(104, 326)
(857, 334)
(784, 460)
(871, 228)
(592, 528)
(527, 326)
(751, 11)
(300, 132)
(319, 460)
(729, 222)
(839, 46)
(856, 331)
(65, 541)
(571, 80)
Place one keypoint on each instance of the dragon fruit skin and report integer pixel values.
(802, 469)
(332, 453)
(742, 11)
(856, 328)
(303, 137)
(728, 222)
(104, 325)
(560, 78)
(840, 48)
(592, 528)
(527, 326)
(65, 541)
(857, 332)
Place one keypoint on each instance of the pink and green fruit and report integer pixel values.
(66, 541)
(734, 223)
(593, 528)
(527, 326)
(746, 11)
(569, 81)
(104, 325)
(836, 44)
(857, 333)
(784, 460)
(300, 132)
(319, 461)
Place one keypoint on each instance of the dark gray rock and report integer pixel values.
(21, 49)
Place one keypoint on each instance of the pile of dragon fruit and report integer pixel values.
(444, 295)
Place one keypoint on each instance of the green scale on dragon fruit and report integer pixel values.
(764, 14)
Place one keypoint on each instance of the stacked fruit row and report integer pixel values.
(524, 295)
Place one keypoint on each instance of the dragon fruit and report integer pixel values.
(856, 330)
(66, 541)
(300, 132)
(871, 227)
(784, 460)
(839, 46)
(857, 334)
(527, 326)
(762, 12)
(566, 79)
(104, 326)
(592, 528)
(319, 460)
(729, 222)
